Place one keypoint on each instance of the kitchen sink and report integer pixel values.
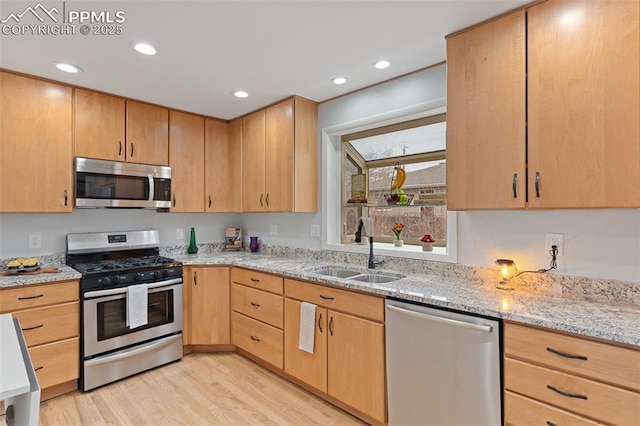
(376, 278)
(335, 272)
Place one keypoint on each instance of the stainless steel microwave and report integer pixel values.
(103, 183)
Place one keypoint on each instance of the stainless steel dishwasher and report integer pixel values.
(443, 367)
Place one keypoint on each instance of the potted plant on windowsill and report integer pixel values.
(398, 230)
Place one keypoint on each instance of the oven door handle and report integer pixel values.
(123, 290)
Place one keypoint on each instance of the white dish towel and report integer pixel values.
(307, 326)
(137, 301)
(367, 226)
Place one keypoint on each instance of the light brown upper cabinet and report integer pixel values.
(574, 131)
(279, 158)
(186, 158)
(36, 145)
(584, 104)
(147, 134)
(99, 125)
(223, 166)
(486, 116)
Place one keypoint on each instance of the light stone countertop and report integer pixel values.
(618, 322)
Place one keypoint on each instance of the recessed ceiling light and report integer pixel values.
(339, 80)
(63, 66)
(240, 94)
(145, 49)
(382, 64)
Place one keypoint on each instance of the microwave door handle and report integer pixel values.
(151, 188)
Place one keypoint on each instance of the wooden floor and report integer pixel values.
(201, 389)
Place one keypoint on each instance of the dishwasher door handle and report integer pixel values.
(447, 321)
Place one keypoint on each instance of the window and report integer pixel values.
(418, 146)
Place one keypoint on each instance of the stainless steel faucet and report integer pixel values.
(372, 260)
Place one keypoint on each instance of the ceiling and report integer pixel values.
(208, 49)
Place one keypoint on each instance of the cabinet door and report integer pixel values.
(98, 125)
(310, 368)
(186, 158)
(486, 116)
(209, 306)
(36, 146)
(186, 306)
(223, 168)
(356, 373)
(584, 110)
(253, 162)
(279, 157)
(306, 156)
(147, 134)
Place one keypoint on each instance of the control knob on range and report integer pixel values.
(139, 276)
(106, 281)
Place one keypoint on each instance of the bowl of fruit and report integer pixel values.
(398, 198)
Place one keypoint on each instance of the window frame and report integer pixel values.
(349, 153)
(331, 190)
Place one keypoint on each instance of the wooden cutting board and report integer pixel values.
(39, 271)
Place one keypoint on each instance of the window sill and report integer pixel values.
(439, 254)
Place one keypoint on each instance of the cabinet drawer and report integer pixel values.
(57, 362)
(44, 325)
(259, 280)
(262, 340)
(521, 411)
(362, 305)
(608, 363)
(18, 298)
(591, 399)
(263, 306)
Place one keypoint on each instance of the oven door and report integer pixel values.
(105, 317)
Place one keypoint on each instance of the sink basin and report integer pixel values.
(335, 272)
(375, 278)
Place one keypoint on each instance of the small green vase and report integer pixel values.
(193, 248)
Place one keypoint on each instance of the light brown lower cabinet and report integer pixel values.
(556, 378)
(49, 318)
(208, 316)
(348, 361)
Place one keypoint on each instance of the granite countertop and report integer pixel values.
(618, 322)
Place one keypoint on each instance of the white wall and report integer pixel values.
(598, 243)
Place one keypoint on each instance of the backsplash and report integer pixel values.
(590, 288)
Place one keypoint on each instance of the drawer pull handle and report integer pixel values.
(30, 297)
(320, 323)
(550, 423)
(255, 305)
(331, 326)
(33, 328)
(567, 355)
(254, 338)
(567, 394)
(255, 280)
(327, 297)
(39, 368)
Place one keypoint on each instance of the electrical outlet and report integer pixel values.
(315, 230)
(554, 240)
(35, 241)
(180, 234)
(273, 229)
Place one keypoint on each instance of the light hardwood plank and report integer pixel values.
(201, 389)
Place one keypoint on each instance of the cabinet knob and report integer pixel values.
(331, 326)
(209, 201)
(195, 278)
(261, 197)
(66, 198)
(537, 183)
(174, 200)
(320, 323)
(119, 148)
(267, 199)
(514, 185)
(132, 150)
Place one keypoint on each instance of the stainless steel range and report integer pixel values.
(131, 304)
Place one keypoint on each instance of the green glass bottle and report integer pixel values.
(193, 248)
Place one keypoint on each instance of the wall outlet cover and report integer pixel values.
(35, 241)
(315, 230)
(180, 234)
(273, 229)
(554, 240)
